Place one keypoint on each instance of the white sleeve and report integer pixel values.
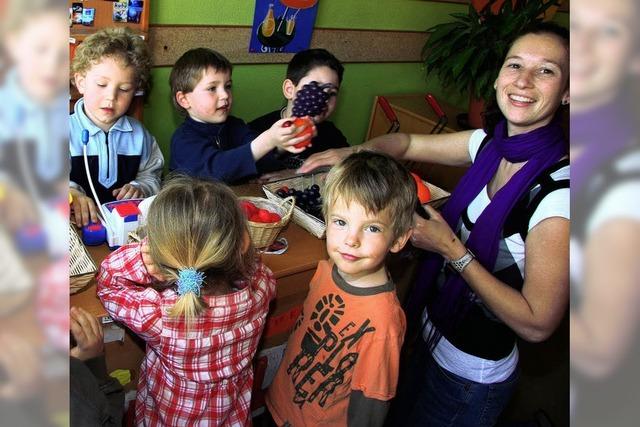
(474, 143)
(557, 203)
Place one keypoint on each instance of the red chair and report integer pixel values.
(442, 117)
(390, 114)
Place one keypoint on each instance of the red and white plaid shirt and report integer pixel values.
(199, 376)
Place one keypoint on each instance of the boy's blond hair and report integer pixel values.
(120, 44)
(378, 183)
(197, 224)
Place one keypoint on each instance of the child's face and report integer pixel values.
(108, 89)
(321, 75)
(358, 242)
(210, 101)
(39, 51)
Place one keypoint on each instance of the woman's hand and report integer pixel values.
(435, 235)
(325, 158)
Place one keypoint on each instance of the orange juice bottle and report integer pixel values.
(269, 22)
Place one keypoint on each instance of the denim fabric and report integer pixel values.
(433, 397)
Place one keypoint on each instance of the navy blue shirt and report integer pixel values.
(215, 150)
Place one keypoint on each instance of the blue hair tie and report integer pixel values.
(190, 280)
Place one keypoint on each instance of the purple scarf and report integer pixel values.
(540, 148)
(602, 133)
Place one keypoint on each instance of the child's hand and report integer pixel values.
(84, 208)
(87, 331)
(128, 191)
(151, 266)
(286, 135)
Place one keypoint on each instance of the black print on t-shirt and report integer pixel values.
(315, 371)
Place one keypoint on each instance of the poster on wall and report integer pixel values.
(120, 11)
(282, 25)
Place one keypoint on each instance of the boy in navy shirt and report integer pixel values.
(210, 143)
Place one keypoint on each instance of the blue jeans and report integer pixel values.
(435, 397)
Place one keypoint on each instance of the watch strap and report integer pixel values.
(461, 263)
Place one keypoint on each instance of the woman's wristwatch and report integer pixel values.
(460, 264)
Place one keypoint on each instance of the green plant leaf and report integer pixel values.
(439, 32)
(461, 61)
(477, 61)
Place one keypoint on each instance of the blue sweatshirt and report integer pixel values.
(215, 150)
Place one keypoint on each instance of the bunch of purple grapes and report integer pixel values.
(309, 199)
(312, 99)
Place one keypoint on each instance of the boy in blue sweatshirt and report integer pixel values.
(210, 143)
(124, 159)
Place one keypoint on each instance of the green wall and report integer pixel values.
(257, 88)
(263, 82)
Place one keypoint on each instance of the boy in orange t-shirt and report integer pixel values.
(341, 363)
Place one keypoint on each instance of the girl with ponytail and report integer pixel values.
(202, 321)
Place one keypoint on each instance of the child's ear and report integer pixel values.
(288, 89)
(181, 99)
(80, 81)
(401, 241)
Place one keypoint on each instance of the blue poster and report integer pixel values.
(282, 25)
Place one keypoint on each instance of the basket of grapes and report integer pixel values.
(307, 191)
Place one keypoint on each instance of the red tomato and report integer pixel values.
(424, 195)
(274, 217)
(263, 215)
(306, 129)
(248, 208)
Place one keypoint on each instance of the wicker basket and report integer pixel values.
(316, 226)
(82, 269)
(263, 234)
(310, 223)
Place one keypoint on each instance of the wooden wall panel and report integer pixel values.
(168, 42)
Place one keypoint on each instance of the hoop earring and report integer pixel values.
(564, 102)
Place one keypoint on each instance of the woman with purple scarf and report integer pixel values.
(497, 264)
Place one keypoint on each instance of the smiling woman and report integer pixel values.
(498, 255)
(532, 82)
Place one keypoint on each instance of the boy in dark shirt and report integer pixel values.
(210, 143)
(306, 66)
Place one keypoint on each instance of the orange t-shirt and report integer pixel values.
(346, 339)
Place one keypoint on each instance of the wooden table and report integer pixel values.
(293, 271)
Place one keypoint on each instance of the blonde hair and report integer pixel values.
(120, 44)
(197, 224)
(378, 183)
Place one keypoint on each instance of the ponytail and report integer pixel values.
(194, 227)
(189, 304)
